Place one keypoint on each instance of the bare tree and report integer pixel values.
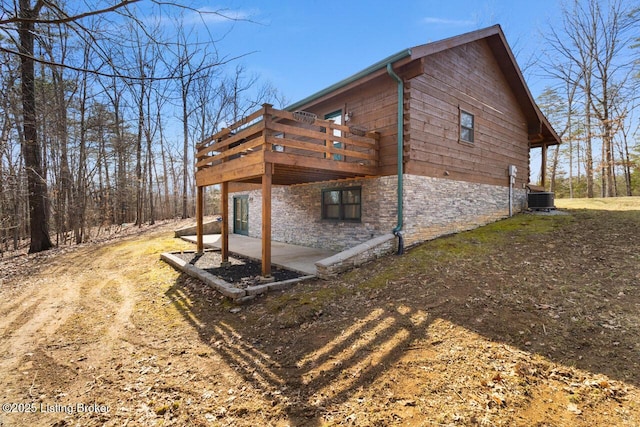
(25, 16)
(32, 151)
(79, 206)
(54, 43)
(208, 101)
(188, 69)
(593, 40)
(113, 89)
(243, 93)
(628, 130)
(558, 109)
(143, 53)
(98, 174)
(611, 37)
(11, 180)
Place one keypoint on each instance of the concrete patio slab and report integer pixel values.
(292, 257)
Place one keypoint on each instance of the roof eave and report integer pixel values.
(498, 43)
(359, 75)
(503, 53)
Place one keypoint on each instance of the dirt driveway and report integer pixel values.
(533, 321)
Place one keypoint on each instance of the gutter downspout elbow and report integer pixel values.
(397, 231)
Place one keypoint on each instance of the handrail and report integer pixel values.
(263, 130)
(228, 139)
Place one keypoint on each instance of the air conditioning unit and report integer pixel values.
(541, 201)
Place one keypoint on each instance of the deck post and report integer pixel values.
(199, 219)
(224, 227)
(543, 167)
(266, 220)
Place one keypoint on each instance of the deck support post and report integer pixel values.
(199, 219)
(543, 167)
(266, 220)
(224, 227)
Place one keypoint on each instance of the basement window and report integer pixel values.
(342, 204)
(466, 126)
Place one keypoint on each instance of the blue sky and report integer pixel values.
(304, 46)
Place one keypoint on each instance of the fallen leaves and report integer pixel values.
(506, 337)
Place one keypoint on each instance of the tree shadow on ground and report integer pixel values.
(300, 363)
(569, 296)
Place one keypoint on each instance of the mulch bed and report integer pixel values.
(241, 272)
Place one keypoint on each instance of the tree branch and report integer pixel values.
(118, 75)
(65, 19)
(204, 12)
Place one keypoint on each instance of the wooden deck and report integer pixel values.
(275, 147)
(297, 147)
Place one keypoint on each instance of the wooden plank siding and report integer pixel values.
(465, 77)
(374, 107)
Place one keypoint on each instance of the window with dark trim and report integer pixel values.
(466, 126)
(342, 204)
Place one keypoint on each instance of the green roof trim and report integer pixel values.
(370, 69)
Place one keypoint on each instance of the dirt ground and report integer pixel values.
(532, 321)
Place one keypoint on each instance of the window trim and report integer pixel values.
(341, 205)
(472, 129)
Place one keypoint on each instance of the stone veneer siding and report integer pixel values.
(432, 207)
(435, 207)
(296, 215)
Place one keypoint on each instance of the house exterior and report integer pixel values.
(430, 141)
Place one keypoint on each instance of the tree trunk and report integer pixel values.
(627, 164)
(167, 207)
(80, 191)
(65, 199)
(36, 182)
(609, 164)
(570, 159)
(588, 152)
(185, 153)
(139, 194)
(152, 219)
(121, 175)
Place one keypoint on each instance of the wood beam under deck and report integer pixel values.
(287, 170)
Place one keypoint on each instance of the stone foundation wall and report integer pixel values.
(297, 214)
(435, 207)
(432, 207)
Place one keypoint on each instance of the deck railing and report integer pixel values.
(294, 138)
